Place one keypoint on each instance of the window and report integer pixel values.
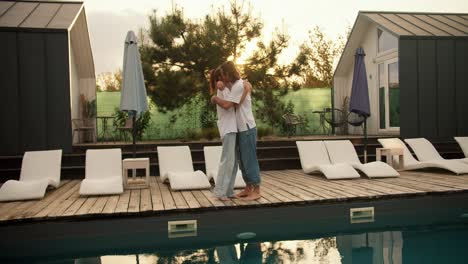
(386, 41)
(389, 95)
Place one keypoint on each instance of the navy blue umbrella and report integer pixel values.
(359, 102)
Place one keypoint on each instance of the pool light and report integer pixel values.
(361, 215)
(187, 228)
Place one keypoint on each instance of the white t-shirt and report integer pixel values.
(244, 114)
(226, 117)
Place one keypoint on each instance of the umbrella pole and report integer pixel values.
(365, 140)
(134, 134)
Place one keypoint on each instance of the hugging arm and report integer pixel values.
(228, 104)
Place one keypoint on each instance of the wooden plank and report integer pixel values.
(279, 195)
(134, 204)
(111, 204)
(74, 207)
(17, 209)
(48, 199)
(167, 199)
(84, 209)
(122, 204)
(145, 201)
(179, 200)
(305, 183)
(99, 205)
(323, 186)
(212, 198)
(62, 207)
(156, 197)
(202, 199)
(292, 189)
(191, 201)
(49, 209)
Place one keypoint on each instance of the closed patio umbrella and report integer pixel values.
(133, 93)
(359, 102)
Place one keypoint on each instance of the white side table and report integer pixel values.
(390, 153)
(133, 164)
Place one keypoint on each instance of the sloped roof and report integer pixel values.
(39, 14)
(421, 24)
(402, 24)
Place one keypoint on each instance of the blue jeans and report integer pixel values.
(227, 167)
(248, 156)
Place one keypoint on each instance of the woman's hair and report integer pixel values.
(215, 76)
(229, 69)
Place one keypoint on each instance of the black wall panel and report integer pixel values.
(408, 69)
(33, 90)
(461, 84)
(10, 105)
(427, 96)
(446, 114)
(58, 92)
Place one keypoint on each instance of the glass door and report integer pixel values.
(389, 95)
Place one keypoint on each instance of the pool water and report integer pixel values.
(411, 230)
(438, 244)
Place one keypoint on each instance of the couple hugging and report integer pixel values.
(238, 133)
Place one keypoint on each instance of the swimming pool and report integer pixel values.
(428, 229)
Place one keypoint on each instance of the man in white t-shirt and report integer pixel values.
(246, 127)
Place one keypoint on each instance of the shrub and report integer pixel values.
(264, 131)
(210, 133)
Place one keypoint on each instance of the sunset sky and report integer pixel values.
(109, 20)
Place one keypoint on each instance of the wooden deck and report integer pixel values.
(279, 188)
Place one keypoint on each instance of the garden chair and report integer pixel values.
(410, 163)
(39, 169)
(127, 128)
(343, 151)
(212, 159)
(314, 158)
(292, 121)
(85, 125)
(425, 151)
(335, 117)
(176, 167)
(103, 172)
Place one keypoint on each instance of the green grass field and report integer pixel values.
(162, 126)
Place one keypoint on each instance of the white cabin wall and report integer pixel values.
(342, 84)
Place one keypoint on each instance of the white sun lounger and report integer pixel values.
(212, 160)
(412, 164)
(175, 166)
(103, 172)
(314, 158)
(39, 169)
(463, 142)
(343, 151)
(425, 151)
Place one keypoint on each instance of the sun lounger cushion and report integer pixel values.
(175, 166)
(463, 142)
(16, 190)
(343, 151)
(39, 169)
(425, 151)
(412, 164)
(103, 172)
(212, 160)
(314, 158)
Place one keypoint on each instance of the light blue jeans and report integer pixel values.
(227, 167)
(248, 156)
